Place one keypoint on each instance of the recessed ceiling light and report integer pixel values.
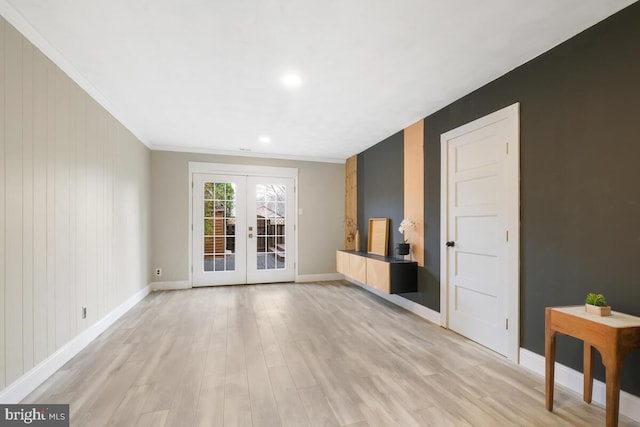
(291, 80)
(264, 139)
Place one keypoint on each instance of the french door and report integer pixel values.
(243, 229)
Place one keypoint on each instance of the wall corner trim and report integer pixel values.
(572, 379)
(170, 286)
(28, 382)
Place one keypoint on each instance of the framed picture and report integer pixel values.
(378, 236)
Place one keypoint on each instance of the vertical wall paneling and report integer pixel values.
(414, 187)
(107, 212)
(51, 211)
(80, 209)
(60, 208)
(13, 199)
(351, 202)
(39, 206)
(92, 210)
(27, 204)
(110, 149)
(100, 217)
(73, 167)
(2, 204)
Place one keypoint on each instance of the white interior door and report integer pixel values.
(219, 229)
(270, 228)
(480, 287)
(243, 229)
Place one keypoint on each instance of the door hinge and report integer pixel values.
(507, 148)
(506, 324)
(507, 235)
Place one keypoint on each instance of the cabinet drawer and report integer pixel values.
(342, 262)
(378, 275)
(387, 274)
(358, 268)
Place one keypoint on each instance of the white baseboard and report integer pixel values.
(305, 278)
(414, 307)
(170, 286)
(573, 380)
(28, 382)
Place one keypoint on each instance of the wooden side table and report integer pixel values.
(613, 336)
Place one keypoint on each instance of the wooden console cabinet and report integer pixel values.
(387, 274)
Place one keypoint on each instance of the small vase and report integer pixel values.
(598, 311)
(357, 241)
(403, 248)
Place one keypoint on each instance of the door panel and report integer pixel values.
(270, 245)
(219, 239)
(477, 209)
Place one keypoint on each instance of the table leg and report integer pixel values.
(613, 367)
(588, 372)
(550, 361)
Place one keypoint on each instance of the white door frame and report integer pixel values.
(512, 116)
(239, 169)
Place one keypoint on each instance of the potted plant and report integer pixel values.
(597, 304)
(405, 225)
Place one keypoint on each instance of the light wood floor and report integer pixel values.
(328, 354)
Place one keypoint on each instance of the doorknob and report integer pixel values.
(451, 244)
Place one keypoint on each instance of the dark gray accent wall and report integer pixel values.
(380, 187)
(580, 201)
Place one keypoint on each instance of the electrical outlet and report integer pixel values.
(158, 272)
(84, 312)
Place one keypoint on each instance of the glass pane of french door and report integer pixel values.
(219, 238)
(271, 218)
(270, 205)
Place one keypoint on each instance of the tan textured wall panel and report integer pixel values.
(414, 187)
(74, 205)
(351, 203)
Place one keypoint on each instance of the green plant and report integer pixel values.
(596, 299)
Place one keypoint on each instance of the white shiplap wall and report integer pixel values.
(74, 208)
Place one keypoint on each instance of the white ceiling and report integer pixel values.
(204, 75)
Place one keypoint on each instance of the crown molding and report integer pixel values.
(255, 154)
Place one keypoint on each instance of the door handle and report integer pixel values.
(451, 244)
